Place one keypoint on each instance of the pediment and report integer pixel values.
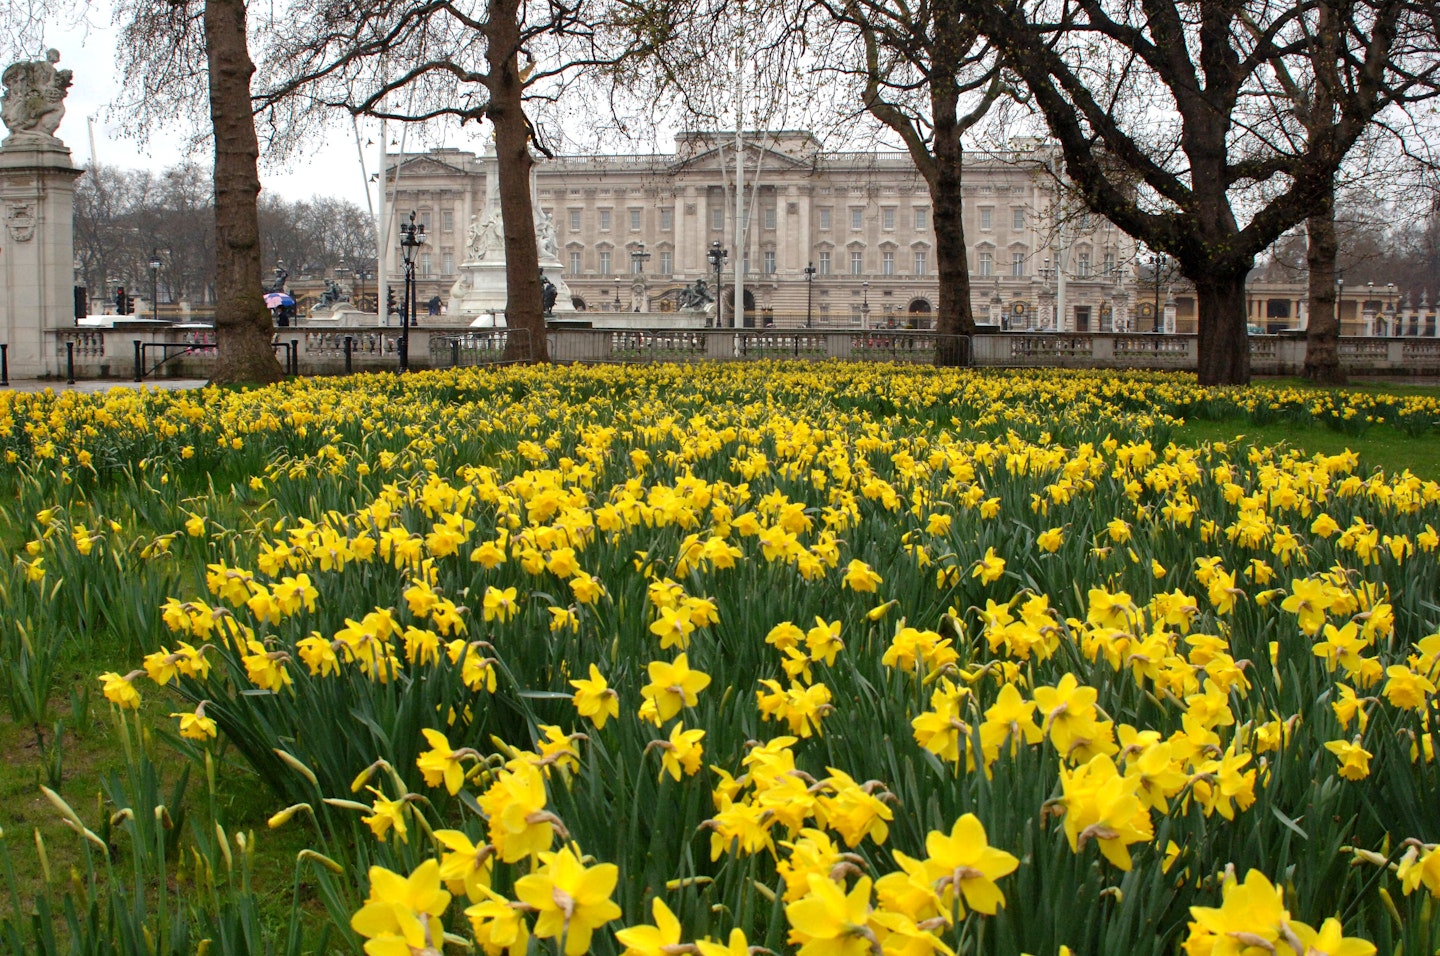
(770, 158)
(428, 166)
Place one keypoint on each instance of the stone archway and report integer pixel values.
(922, 314)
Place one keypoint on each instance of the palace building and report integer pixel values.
(634, 231)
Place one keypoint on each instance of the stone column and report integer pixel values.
(37, 251)
(1120, 311)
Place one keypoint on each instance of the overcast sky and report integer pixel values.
(330, 168)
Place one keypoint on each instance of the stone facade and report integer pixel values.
(862, 219)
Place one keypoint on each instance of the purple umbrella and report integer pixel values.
(274, 300)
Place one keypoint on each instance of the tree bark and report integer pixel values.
(1322, 334)
(1224, 343)
(954, 315)
(243, 326)
(524, 307)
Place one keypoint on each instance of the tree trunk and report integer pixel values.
(243, 326)
(524, 307)
(954, 316)
(1224, 343)
(1322, 335)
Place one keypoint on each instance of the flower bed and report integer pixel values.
(821, 659)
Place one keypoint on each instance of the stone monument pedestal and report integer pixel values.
(37, 272)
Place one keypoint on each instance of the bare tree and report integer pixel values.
(163, 50)
(424, 60)
(1165, 113)
(930, 77)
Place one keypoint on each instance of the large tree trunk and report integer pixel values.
(524, 307)
(954, 317)
(243, 326)
(1322, 335)
(1224, 343)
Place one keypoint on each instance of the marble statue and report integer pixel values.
(483, 238)
(34, 99)
(549, 242)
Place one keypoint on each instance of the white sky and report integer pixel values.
(331, 168)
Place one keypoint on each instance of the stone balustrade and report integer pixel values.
(188, 350)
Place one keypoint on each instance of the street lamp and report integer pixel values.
(865, 304)
(412, 237)
(809, 271)
(717, 257)
(155, 284)
(615, 306)
(1158, 261)
(361, 274)
(1339, 299)
(638, 257)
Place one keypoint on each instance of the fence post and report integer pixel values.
(349, 344)
(139, 361)
(4, 364)
(454, 352)
(294, 356)
(69, 363)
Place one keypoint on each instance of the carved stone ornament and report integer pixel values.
(20, 220)
(34, 100)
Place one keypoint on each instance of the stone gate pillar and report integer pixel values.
(37, 203)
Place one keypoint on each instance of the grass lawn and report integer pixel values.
(1379, 447)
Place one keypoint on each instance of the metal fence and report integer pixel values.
(479, 347)
(720, 345)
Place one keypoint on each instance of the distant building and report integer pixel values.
(863, 219)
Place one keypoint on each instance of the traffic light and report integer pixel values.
(390, 306)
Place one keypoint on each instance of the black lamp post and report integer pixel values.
(155, 284)
(865, 304)
(638, 257)
(412, 237)
(1158, 261)
(717, 257)
(809, 271)
(1340, 299)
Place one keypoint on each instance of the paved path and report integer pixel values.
(91, 386)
